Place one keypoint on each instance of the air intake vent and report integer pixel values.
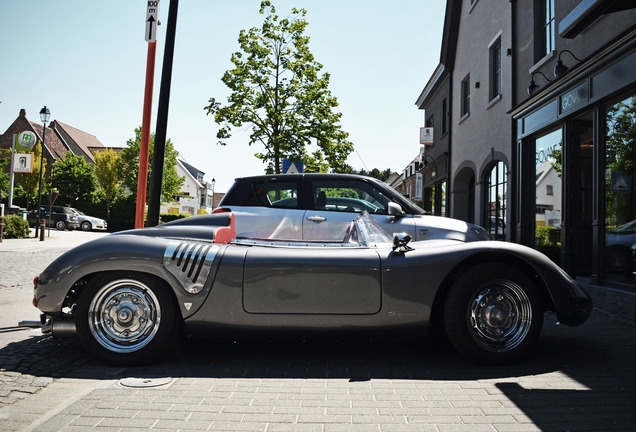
(190, 263)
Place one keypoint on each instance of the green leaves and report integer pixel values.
(171, 182)
(74, 179)
(279, 91)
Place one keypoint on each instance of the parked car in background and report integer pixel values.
(89, 223)
(129, 295)
(294, 206)
(59, 217)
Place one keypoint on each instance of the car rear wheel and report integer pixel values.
(126, 319)
(493, 314)
(60, 225)
(86, 226)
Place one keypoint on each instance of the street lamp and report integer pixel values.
(45, 115)
(213, 181)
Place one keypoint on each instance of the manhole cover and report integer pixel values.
(144, 382)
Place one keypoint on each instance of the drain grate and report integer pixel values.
(145, 382)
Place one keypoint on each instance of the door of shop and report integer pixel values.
(577, 251)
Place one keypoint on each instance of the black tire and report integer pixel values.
(86, 226)
(126, 319)
(493, 314)
(60, 225)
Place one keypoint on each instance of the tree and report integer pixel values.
(5, 161)
(74, 179)
(171, 182)
(375, 173)
(109, 175)
(278, 89)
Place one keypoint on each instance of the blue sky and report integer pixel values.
(86, 61)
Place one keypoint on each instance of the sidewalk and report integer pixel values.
(53, 239)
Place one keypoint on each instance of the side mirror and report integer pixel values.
(394, 209)
(400, 243)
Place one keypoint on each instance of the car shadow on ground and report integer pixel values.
(559, 347)
(596, 357)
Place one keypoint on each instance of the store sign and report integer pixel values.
(419, 183)
(574, 98)
(23, 162)
(426, 136)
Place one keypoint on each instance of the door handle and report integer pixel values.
(316, 219)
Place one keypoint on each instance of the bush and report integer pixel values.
(547, 239)
(169, 217)
(15, 227)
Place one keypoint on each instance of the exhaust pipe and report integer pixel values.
(59, 328)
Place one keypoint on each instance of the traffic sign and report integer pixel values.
(152, 16)
(290, 167)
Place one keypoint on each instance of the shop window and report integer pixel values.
(620, 192)
(497, 193)
(438, 199)
(547, 207)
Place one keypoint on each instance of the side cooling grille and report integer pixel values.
(190, 263)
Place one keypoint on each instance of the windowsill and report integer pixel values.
(493, 101)
(464, 117)
(541, 62)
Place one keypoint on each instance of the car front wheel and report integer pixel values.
(126, 319)
(86, 226)
(493, 314)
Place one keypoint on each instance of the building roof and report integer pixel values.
(82, 139)
(55, 146)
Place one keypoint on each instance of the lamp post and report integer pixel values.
(45, 115)
(213, 181)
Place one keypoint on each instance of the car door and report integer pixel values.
(312, 280)
(333, 204)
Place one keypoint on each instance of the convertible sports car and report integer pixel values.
(128, 295)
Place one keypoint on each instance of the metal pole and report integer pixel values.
(156, 176)
(11, 173)
(40, 185)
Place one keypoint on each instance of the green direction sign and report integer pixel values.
(26, 140)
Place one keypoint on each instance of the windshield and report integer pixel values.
(370, 232)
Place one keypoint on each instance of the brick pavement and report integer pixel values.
(579, 379)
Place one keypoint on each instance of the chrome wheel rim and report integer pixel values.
(500, 316)
(124, 315)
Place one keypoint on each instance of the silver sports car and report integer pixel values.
(128, 295)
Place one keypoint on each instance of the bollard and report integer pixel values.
(1, 227)
(42, 223)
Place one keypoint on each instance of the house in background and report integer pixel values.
(60, 139)
(196, 196)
